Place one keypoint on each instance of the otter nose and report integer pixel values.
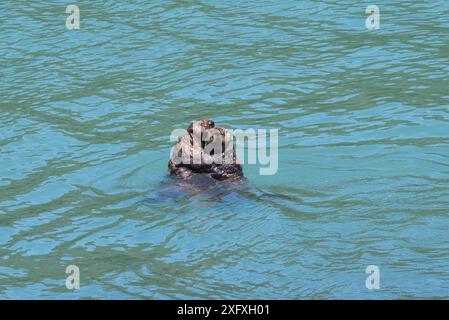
(211, 123)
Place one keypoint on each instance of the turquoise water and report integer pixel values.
(363, 149)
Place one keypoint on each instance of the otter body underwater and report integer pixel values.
(205, 149)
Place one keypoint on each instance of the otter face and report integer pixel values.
(201, 130)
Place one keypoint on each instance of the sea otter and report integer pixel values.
(205, 149)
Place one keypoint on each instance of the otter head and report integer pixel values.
(203, 131)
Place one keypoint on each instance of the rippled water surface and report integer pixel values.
(363, 149)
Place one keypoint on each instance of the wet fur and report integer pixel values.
(225, 171)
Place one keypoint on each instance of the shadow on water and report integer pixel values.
(210, 189)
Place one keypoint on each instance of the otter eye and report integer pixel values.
(211, 123)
